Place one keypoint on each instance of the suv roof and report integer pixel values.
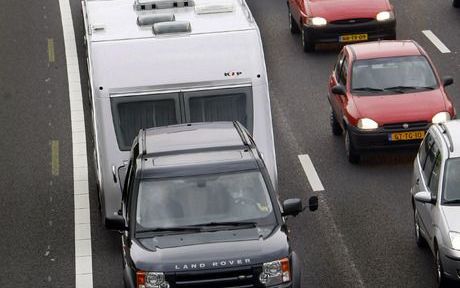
(451, 136)
(118, 19)
(198, 145)
(389, 48)
(177, 139)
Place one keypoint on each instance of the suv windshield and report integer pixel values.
(231, 198)
(392, 75)
(452, 182)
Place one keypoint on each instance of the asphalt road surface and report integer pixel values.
(362, 234)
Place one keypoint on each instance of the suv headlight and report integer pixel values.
(275, 272)
(316, 21)
(385, 16)
(367, 124)
(441, 117)
(455, 240)
(151, 280)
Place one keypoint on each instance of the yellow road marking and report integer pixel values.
(51, 56)
(55, 157)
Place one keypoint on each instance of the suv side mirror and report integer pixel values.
(339, 90)
(313, 203)
(425, 197)
(447, 80)
(292, 207)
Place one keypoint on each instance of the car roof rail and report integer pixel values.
(446, 132)
(242, 134)
(142, 142)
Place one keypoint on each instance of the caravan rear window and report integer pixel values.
(219, 105)
(132, 113)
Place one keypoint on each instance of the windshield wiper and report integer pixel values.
(367, 89)
(456, 201)
(150, 231)
(228, 223)
(401, 88)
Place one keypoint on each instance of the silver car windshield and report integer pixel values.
(392, 75)
(452, 181)
(200, 200)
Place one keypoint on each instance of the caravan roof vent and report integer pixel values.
(140, 5)
(211, 7)
(172, 27)
(143, 20)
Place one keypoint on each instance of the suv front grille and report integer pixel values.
(241, 277)
(352, 21)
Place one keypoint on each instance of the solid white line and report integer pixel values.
(436, 42)
(310, 171)
(83, 250)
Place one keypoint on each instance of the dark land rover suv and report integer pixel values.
(199, 210)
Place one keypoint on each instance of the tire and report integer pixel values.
(308, 46)
(335, 125)
(456, 3)
(351, 152)
(439, 271)
(421, 243)
(293, 26)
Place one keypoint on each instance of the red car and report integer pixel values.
(386, 94)
(341, 21)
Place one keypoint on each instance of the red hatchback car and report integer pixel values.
(386, 94)
(341, 21)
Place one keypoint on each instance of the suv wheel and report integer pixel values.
(456, 3)
(308, 46)
(352, 155)
(335, 125)
(440, 278)
(418, 237)
(293, 27)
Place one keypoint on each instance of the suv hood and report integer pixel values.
(408, 107)
(452, 217)
(347, 9)
(208, 250)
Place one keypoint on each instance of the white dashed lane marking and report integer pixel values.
(436, 41)
(310, 171)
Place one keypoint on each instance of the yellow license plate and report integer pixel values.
(406, 136)
(353, 38)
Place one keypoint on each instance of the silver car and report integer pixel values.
(435, 195)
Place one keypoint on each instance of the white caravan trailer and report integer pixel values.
(163, 62)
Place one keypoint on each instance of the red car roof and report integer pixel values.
(380, 49)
